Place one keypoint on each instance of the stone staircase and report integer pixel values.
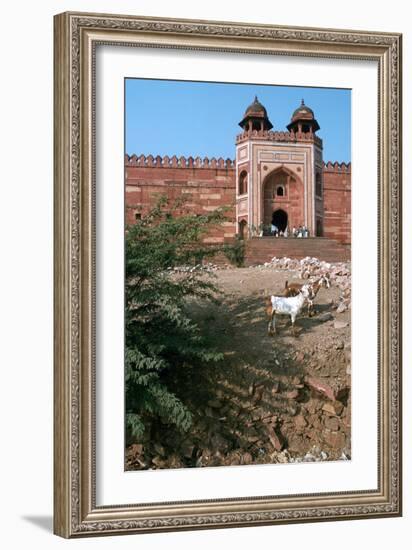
(262, 249)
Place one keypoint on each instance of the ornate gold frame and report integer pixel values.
(75, 510)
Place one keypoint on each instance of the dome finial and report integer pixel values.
(303, 102)
(256, 99)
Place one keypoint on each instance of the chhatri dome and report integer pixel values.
(303, 120)
(255, 117)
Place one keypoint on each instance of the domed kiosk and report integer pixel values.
(255, 117)
(303, 120)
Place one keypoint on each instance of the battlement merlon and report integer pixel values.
(337, 167)
(289, 137)
(179, 162)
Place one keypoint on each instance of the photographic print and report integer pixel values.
(237, 274)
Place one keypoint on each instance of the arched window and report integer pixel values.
(243, 183)
(280, 192)
(318, 185)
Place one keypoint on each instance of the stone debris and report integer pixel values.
(334, 408)
(341, 307)
(340, 324)
(294, 405)
(311, 268)
(316, 454)
(282, 457)
(331, 423)
(300, 422)
(321, 387)
(275, 440)
(334, 438)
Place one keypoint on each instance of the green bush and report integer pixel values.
(160, 336)
(235, 252)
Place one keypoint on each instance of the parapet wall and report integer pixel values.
(206, 162)
(275, 135)
(178, 162)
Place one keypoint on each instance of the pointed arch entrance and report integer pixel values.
(279, 195)
(280, 219)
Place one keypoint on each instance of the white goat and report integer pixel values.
(293, 289)
(291, 305)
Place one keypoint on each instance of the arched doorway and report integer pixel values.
(242, 229)
(280, 219)
(282, 191)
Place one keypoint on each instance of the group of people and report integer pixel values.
(298, 232)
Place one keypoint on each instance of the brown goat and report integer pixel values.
(293, 289)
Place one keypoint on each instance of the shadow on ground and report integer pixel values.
(249, 406)
(43, 522)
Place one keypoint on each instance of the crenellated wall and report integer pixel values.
(178, 162)
(337, 201)
(208, 183)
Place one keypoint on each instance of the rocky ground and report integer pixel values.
(273, 400)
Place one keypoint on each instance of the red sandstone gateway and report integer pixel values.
(277, 177)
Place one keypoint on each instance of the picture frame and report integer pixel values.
(76, 510)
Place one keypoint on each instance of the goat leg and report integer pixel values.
(272, 326)
(293, 318)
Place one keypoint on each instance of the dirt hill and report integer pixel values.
(273, 399)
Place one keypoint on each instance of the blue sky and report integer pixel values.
(182, 118)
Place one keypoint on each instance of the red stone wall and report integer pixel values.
(206, 184)
(337, 201)
(210, 183)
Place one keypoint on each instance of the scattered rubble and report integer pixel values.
(340, 324)
(280, 400)
(311, 268)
